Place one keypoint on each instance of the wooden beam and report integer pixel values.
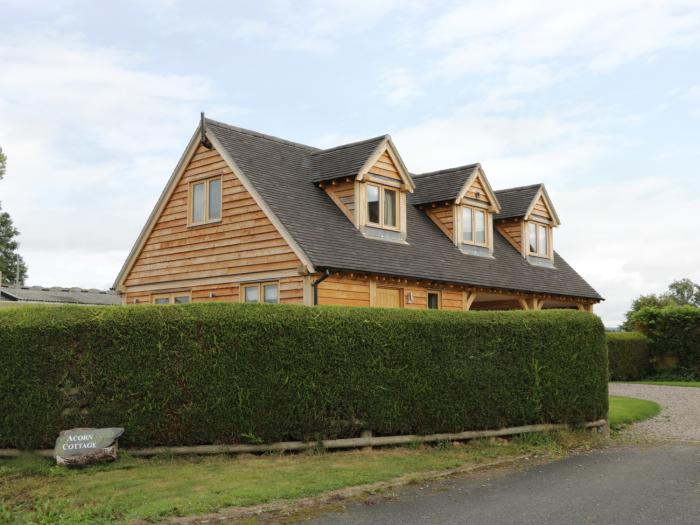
(469, 300)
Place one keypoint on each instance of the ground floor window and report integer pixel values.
(171, 298)
(433, 300)
(267, 292)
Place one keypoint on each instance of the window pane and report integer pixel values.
(373, 204)
(162, 300)
(270, 293)
(198, 202)
(532, 229)
(182, 299)
(467, 225)
(390, 208)
(433, 301)
(479, 226)
(543, 241)
(252, 294)
(214, 199)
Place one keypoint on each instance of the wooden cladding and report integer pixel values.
(477, 191)
(385, 167)
(513, 233)
(354, 290)
(243, 242)
(443, 217)
(291, 290)
(343, 194)
(541, 211)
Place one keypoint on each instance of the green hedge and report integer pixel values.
(228, 373)
(628, 356)
(674, 332)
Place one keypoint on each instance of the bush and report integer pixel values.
(674, 334)
(229, 373)
(628, 356)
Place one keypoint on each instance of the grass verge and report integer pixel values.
(695, 384)
(626, 410)
(34, 491)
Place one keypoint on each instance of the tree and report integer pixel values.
(3, 162)
(685, 292)
(10, 260)
(681, 292)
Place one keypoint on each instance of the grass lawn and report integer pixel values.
(668, 383)
(626, 410)
(33, 490)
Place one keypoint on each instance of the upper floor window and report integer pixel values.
(205, 201)
(538, 239)
(474, 226)
(382, 206)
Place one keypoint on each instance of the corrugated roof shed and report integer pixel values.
(38, 294)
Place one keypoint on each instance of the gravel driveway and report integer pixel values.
(679, 419)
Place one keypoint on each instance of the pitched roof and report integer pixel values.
(282, 174)
(343, 161)
(56, 294)
(515, 202)
(443, 185)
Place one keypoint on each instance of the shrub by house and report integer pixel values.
(228, 373)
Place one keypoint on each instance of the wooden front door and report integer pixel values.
(388, 298)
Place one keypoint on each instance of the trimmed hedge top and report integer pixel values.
(230, 373)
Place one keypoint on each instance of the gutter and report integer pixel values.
(318, 281)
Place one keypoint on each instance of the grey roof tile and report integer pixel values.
(443, 185)
(516, 201)
(342, 161)
(282, 173)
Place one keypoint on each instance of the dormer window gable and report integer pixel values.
(373, 194)
(527, 222)
(461, 202)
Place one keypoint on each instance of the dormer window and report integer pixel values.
(382, 207)
(538, 239)
(474, 226)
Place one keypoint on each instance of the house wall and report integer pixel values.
(210, 260)
(360, 290)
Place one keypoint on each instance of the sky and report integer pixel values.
(599, 100)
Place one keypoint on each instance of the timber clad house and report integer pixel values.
(253, 218)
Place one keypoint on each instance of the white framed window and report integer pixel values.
(474, 226)
(382, 206)
(205, 201)
(538, 239)
(171, 298)
(262, 292)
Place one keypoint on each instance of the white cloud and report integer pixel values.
(480, 36)
(629, 238)
(622, 235)
(399, 87)
(91, 136)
